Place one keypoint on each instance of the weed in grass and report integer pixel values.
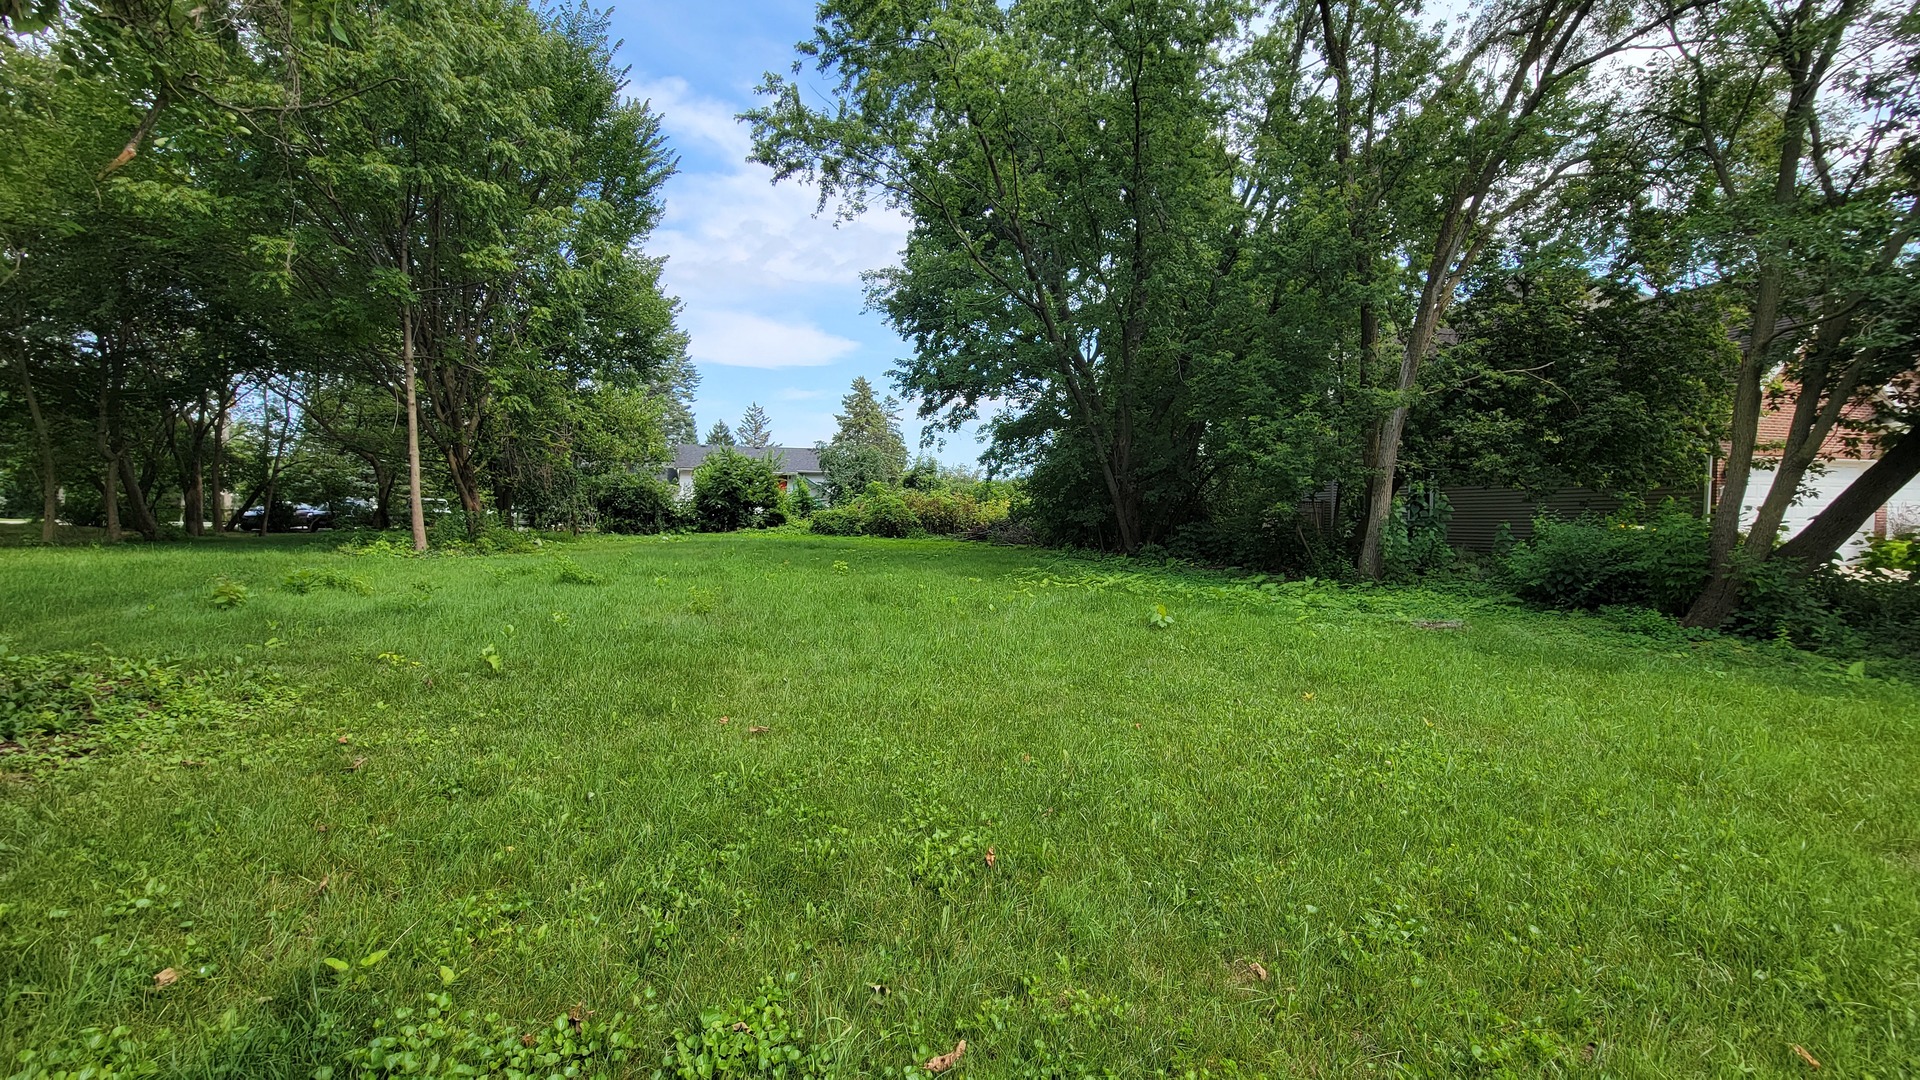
(1159, 619)
(308, 578)
(745, 1041)
(227, 593)
(569, 572)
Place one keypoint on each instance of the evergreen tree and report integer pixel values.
(720, 434)
(867, 448)
(756, 429)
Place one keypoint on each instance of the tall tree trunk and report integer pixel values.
(43, 441)
(143, 519)
(416, 508)
(266, 440)
(383, 480)
(1386, 448)
(1844, 516)
(1722, 593)
(110, 461)
(193, 497)
(216, 472)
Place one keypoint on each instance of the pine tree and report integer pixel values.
(867, 448)
(720, 434)
(756, 429)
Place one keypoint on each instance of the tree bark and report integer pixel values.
(416, 508)
(217, 471)
(43, 440)
(1843, 517)
(109, 483)
(143, 518)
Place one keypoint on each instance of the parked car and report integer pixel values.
(287, 518)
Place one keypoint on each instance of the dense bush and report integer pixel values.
(885, 512)
(631, 503)
(1590, 564)
(734, 491)
(888, 511)
(837, 521)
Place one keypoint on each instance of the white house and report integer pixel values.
(1842, 459)
(792, 464)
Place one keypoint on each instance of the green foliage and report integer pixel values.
(462, 534)
(96, 1054)
(800, 500)
(1416, 537)
(308, 578)
(1661, 564)
(747, 1040)
(68, 708)
(227, 593)
(632, 503)
(1901, 553)
(569, 572)
(733, 491)
(884, 512)
(1159, 618)
(837, 521)
(867, 448)
(437, 1040)
(898, 512)
(1560, 378)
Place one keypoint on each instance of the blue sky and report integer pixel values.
(772, 293)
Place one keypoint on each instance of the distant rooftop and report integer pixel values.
(787, 459)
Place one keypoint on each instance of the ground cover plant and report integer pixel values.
(780, 804)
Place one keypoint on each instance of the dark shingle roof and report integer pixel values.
(789, 459)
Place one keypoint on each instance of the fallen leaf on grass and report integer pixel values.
(344, 739)
(578, 1015)
(1256, 969)
(320, 826)
(529, 1039)
(325, 880)
(741, 1025)
(724, 719)
(947, 1060)
(1812, 1062)
(166, 977)
(990, 858)
(354, 765)
(758, 729)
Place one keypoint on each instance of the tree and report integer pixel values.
(866, 447)
(1560, 378)
(755, 428)
(720, 434)
(1062, 165)
(732, 491)
(1787, 141)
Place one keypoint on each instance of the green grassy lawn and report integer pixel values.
(1295, 833)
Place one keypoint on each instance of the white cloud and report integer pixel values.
(689, 116)
(744, 339)
(732, 236)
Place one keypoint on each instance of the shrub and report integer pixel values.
(732, 491)
(478, 534)
(886, 512)
(837, 521)
(631, 503)
(800, 501)
(1590, 564)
